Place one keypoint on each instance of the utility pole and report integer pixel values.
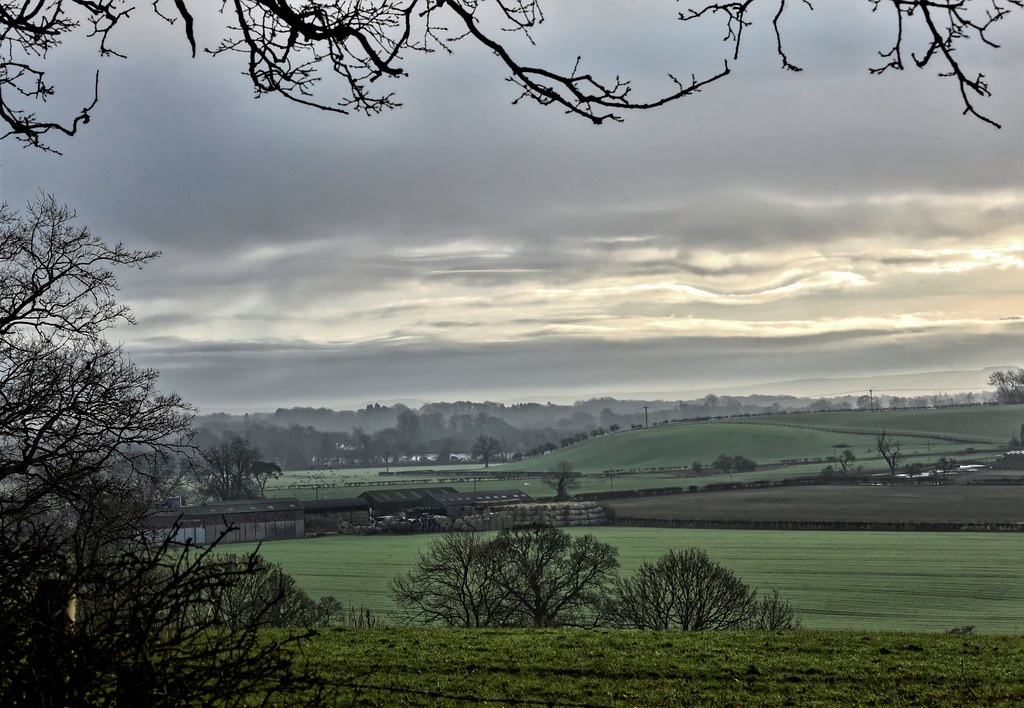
(645, 416)
(871, 397)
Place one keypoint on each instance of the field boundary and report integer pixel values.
(874, 431)
(807, 481)
(750, 524)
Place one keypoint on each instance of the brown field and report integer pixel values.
(925, 504)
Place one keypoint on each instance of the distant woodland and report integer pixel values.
(438, 433)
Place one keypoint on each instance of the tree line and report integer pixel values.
(542, 577)
(300, 438)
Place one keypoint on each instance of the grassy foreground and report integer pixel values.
(620, 668)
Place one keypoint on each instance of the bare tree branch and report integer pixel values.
(963, 22)
(333, 55)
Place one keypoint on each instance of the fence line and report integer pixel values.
(791, 525)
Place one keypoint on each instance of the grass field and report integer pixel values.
(444, 667)
(771, 439)
(836, 580)
(982, 423)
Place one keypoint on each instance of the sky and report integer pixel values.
(776, 226)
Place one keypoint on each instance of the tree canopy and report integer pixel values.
(543, 577)
(890, 449)
(562, 478)
(527, 577)
(97, 608)
(486, 448)
(685, 589)
(341, 56)
(233, 470)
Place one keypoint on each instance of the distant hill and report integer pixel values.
(798, 436)
(908, 384)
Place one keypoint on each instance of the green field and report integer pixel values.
(447, 667)
(679, 445)
(927, 435)
(920, 581)
(982, 423)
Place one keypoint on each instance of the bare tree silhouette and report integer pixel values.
(96, 608)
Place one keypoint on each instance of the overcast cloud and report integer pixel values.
(775, 226)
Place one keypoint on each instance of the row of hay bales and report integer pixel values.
(587, 513)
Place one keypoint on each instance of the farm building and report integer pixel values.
(459, 503)
(385, 502)
(252, 519)
(354, 511)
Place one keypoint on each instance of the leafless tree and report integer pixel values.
(329, 611)
(455, 583)
(687, 590)
(137, 633)
(531, 577)
(889, 449)
(233, 470)
(945, 25)
(1009, 386)
(95, 610)
(262, 595)
(846, 460)
(74, 408)
(724, 464)
(339, 55)
(844, 463)
(562, 478)
(486, 448)
(262, 473)
(772, 613)
(555, 580)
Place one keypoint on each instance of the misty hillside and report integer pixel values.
(299, 438)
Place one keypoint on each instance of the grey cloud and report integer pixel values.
(450, 324)
(385, 312)
(179, 157)
(892, 260)
(298, 373)
(423, 177)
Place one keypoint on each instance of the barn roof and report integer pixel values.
(247, 506)
(238, 506)
(385, 496)
(503, 496)
(336, 504)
